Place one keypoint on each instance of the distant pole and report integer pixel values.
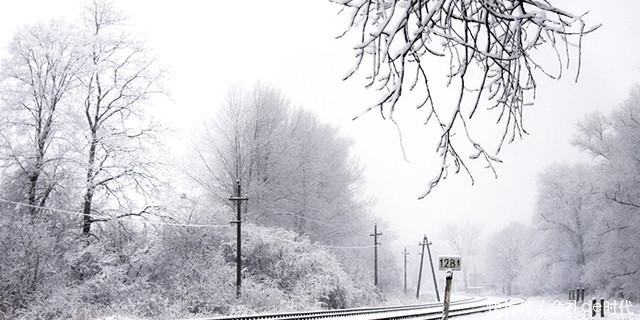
(375, 235)
(423, 244)
(238, 198)
(433, 272)
(405, 254)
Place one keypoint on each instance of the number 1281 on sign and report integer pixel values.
(449, 262)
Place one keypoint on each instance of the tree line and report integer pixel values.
(95, 219)
(584, 232)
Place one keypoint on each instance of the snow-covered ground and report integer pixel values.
(536, 308)
(551, 309)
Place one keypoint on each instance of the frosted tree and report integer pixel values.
(296, 170)
(505, 254)
(464, 238)
(613, 141)
(121, 155)
(567, 218)
(38, 79)
(492, 52)
(322, 179)
(243, 142)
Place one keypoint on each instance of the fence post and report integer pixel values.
(601, 308)
(570, 295)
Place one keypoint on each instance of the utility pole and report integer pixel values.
(375, 235)
(433, 272)
(238, 198)
(423, 244)
(405, 254)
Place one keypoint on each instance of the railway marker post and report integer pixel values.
(449, 263)
(447, 295)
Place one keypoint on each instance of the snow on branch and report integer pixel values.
(489, 46)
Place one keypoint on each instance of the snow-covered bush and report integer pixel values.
(307, 272)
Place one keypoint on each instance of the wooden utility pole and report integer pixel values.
(375, 235)
(238, 198)
(423, 244)
(405, 254)
(433, 272)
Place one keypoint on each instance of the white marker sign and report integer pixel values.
(449, 262)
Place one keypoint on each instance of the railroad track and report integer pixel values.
(460, 307)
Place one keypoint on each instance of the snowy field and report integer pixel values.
(550, 309)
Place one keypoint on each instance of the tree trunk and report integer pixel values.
(88, 196)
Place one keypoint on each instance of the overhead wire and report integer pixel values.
(191, 225)
(108, 217)
(314, 244)
(16, 203)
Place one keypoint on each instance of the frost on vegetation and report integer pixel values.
(489, 50)
(585, 226)
(92, 224)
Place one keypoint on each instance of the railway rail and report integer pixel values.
(459, 307)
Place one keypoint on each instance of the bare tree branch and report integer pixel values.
(488, 45)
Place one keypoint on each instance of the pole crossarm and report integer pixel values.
(375, 235)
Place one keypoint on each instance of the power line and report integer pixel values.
(192, 225)
(313, 244)
(188, 225)
(49, 209)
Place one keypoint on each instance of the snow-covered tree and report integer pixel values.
(614, 140)
(297, 171)
(487, 55)
(57, 74)
(120, 138)
(505, 255)
(568, 219)
(38, 77)
(464, 239)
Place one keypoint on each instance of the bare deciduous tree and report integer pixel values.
(492, 50)
(464, 238)
(505, 254)
(613, 141)
(297, 171)
(37, 79)
(122, 76)
(568, 221)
